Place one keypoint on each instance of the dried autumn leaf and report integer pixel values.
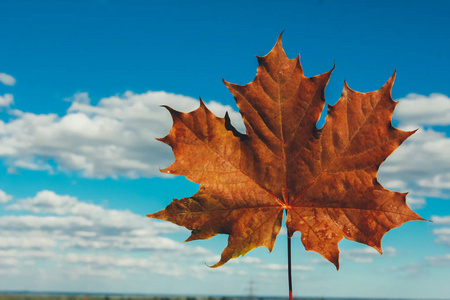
(325, 179)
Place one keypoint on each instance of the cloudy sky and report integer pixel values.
(81, 85)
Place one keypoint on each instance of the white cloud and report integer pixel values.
(366, 255)
(115, 137)
(422, 163)
(49, 223)
(89, 225)
(98, 262)
(199, 272)
(415, 202)
(7, 79)
(249, 260)
(212, 259)
(107, 260)
(9, 271)
(439, 181)
(396, 184)
(27, 242)
(82, 98)
(67, 234)
(4, 197)
(418, 110)
(88, 270)
(82, 225)
(443, 235)
(278, 267)
(440, 260)
(6, 100)
(441, 220)
(46, 201)
(34, 253)
(9, 261)
(401, 185)
(407, 270)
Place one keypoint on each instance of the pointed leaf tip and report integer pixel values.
(279, 43)
(280, 35)
(335, 260)
(390, 82)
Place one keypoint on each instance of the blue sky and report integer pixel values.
(80, 87)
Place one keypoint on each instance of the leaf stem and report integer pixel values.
(289, 266)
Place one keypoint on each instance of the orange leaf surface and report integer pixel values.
(325, 179)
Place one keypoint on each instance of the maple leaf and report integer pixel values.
(325, 179)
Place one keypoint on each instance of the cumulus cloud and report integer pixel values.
(46, 201)
(422, 163)
(439, 181)
(26, 242)
(89, 225)
(418, 110)
(115, 137)
(82, 98)
(6, 100)
(33, 253)
(64, 230)
(4, 197)
(438, 220)
(443, 235)
(107, 260)
(7, 79)
(82, 225)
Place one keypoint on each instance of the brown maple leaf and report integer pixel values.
(325, 179)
